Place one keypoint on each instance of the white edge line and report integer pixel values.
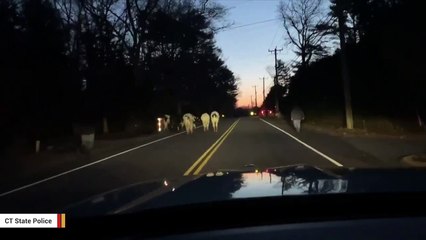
(306, 145)
(87, 165)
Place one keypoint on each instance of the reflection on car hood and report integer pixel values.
(232, 184)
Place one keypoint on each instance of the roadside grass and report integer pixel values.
(363, 123)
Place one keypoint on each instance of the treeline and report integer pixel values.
(384, 57)
(78, 62)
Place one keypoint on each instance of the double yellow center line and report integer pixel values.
(209, 153)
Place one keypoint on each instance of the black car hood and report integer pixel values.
(232, 184)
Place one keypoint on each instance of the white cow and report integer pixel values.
(215, 120)
(188, 122)
(205, 118)
(166, 122)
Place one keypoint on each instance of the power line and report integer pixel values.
(249, 24)
(273, 39)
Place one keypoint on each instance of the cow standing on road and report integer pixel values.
(205, 118)
(188, 122)
(215, 120)
(166, 122)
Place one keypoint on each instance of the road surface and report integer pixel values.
(238, 143)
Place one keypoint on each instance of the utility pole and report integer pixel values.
(255, 96)
(263, 78)
(276, 63)
(251, 101)
(345, 70)
(276, 78)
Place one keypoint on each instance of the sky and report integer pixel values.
(245, 48)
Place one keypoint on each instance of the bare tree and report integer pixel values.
(301, 19)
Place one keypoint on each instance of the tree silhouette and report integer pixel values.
(385, 75)
(43, 67)
(301, 19)
(68, 62)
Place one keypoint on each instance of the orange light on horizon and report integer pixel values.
(245, 101)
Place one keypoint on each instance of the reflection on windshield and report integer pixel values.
(269, 184)
(263, 184)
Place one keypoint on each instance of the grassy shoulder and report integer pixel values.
(366, 125)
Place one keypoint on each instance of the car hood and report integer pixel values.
(232, 184)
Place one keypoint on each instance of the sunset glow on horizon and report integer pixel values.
(245, 49)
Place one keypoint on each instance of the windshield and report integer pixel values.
(148, 96)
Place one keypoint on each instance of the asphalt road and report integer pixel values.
(238, 143)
